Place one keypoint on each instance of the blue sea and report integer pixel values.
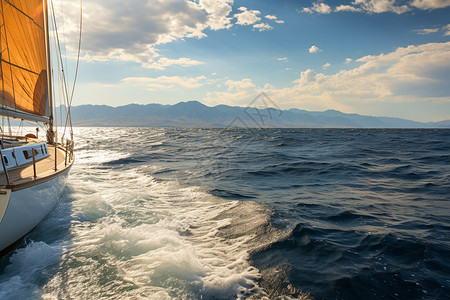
(164, 213)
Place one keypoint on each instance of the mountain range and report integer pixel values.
(196, 114)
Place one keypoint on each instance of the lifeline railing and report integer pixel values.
(68, 158)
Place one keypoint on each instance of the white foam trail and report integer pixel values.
(28, 265)
(145, 238)
(131, 236)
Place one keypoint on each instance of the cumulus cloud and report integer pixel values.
(274, 18)
(381, 6)
(251, 17)
(347, 8)
(430, 4)
(314, 49)
(347, 60)
(327, 65)
(262, 26)
(271, 17)
(407, 73)
(378, 6)
(410, 73)
(134, 30)
(218, 13)
(321, 8)
(247, 17)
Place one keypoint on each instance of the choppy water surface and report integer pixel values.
(239, 213)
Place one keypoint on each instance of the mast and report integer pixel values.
(50, 132)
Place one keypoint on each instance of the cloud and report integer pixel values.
(320, 8)
(218, 13)
(408, 74)
(430, 4)
(381, 6)
(247, 17)
(274, 18)
(251, 17)
(446, 29)
(285, 59)
(327, 65)
(239, 92)
(271, 17)
(134, 30)
(348, 60)
(378, 6)
(426, 31)
(347, 8)
(314, 49)
(262, 26)
(166, 82)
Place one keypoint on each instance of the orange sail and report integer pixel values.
(23, 70)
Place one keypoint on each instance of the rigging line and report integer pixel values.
(62, 94)
(7, 1)
(58, 49)
(20, 126)
(17, 66)
(1, 69)
(64, 33)
(68, 117)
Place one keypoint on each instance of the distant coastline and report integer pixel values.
(196, 114)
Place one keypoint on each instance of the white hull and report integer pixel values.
(27, 207)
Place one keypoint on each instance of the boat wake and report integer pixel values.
(132, 235)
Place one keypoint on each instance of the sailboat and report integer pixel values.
(33, 171)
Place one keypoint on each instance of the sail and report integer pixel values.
(23, 70)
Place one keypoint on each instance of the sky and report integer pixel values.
(371, 57)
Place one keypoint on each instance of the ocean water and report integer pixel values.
(161, 213)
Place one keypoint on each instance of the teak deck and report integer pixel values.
(45, 169)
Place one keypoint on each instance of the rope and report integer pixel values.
(68, 117)
(68, 120)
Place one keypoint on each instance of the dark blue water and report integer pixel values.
(316, 213)
(368, 210)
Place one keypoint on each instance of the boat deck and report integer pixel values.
(45, 168)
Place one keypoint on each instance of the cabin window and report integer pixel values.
(6, 160)
(42, 149)
(35, 152)
(26, 154)
(13, 154)
(45, 148)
